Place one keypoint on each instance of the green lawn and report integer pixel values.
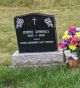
(66, 14)
(60, 77)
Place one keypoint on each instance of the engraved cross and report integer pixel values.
(34, 20)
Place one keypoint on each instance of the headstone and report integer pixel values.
(37, 41)
(36, 33)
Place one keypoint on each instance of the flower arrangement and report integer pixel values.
(71, 43)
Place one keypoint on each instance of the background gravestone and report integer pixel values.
(36, 33)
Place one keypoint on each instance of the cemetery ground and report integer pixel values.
(59, 77)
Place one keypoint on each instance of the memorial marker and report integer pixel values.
(36, 33)
(37, 41)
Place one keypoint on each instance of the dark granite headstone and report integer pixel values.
(36, 33)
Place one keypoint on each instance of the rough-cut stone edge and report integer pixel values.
(36, 59)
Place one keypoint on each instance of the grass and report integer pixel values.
(8, 44)
(66, 14)
(39, 3)
(39, 78)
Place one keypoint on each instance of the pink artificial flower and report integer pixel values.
(72, 28)
(63, 46)
(74, 39)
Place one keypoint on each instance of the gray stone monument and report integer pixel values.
(37, 41)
